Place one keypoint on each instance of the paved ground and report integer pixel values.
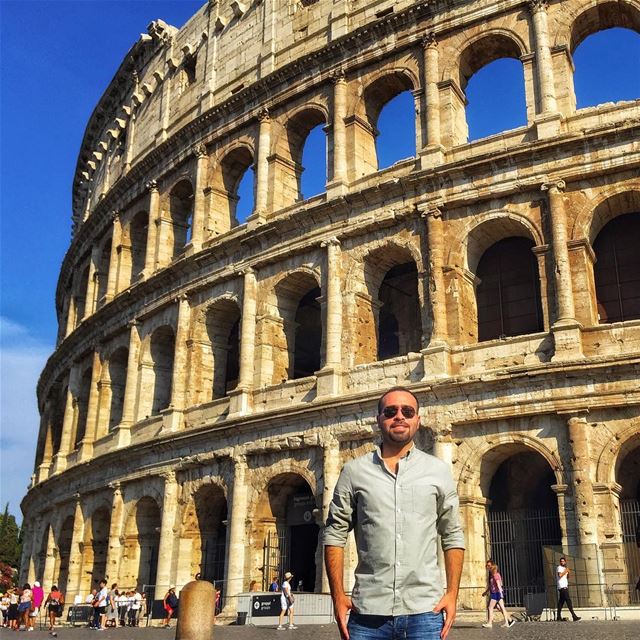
(583, 630)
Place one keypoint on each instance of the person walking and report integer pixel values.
(112, 607)
(496, 598)
(398, 500)
(287, 601)
(562, 571)
(54, 604)
(37, 596)
(24, 608)
(170, 603)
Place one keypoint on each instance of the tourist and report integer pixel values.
(100, 606)
(4, 608)
(24, 608)
(12, 612)
(274, 586)
(496, 598)
(54, 604)
(121, 601)
(36, 601)
(135, 603)
(404, 499)
(562, 572)
(112, 607)
(170, 603)
(287, 601)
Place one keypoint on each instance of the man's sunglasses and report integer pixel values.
(392, 410)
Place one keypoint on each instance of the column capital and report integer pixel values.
(181, 298)
(152, 185)
(429, 40)
(430, 209)
(239, 460)
(263, 115)
(330, 242)
(199, 150)
(247, 271)
(537, 5)
(169, 476)
(115, 216)
(337, 76)
(553, 185)
(132, 324)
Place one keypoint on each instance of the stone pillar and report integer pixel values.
(167, 533)
(433, 153)
(75, 552)
(473, 514)
(150, 256)
(240, 397)
(567, 527)
(131, 387)
(338, 183)
(116, 524)
(173, 418)
(566, 329)
(262, 169)
(548, 123)
(586, 514)
(48, 577)
(237, 529)
(91, 427)
(331, 467)
(68, 421)
(436, 355)
(443, 446)
(114, 267)
(330, 376)
(198, 221)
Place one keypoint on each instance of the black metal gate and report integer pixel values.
(630, 524)
(517, 539)
(275, 557)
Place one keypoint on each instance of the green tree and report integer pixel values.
(10, 542)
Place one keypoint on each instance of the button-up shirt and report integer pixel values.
(396, 519)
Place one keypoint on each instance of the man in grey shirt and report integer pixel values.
(397, 500)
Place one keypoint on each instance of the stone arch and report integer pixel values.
(141, 542)
(388, 307)
(116, 370)
(204, 530)
(235, 161)
(156, 371)
(297, 339)
(288, 145)
(80, 288)
(63, 543)
(614, 450)
(607, 208)
(137, 233)
(102, 267)
(95, 546)
(180, 212)
(378, 89)
(284, 527)
(600, 15)
(82, 406)
(215, 352)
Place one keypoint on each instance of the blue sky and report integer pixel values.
(57, 59)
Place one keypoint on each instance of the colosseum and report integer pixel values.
(214, 371)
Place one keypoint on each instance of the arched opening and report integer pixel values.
(222, 323)
(181, 212)
(102, 273)
(628, 477)
(233, 191)
(399, 324)
(142, 539)
(609, 31)
(617, 269)
(41, 561)
(602, 67)
(496, 99)
(313, 179)
(396, 143)
(508, 294)
(82, 404)
(80, 298)
(138, 231)
(162, 349)
(389, 112)
(61, 571)
(205, 529)
(117, 379)
(59, 396)
(286, 527)
(298, 347)
(492, 79)
(522, 518)
(94, 549)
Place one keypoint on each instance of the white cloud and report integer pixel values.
(22, 358)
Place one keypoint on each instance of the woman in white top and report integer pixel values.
(286, 602)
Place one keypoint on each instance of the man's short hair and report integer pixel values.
(563, 558)
(398, 388)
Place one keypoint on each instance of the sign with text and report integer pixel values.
(266, 605)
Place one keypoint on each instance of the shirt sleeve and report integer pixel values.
(341, 512)
(449, 527)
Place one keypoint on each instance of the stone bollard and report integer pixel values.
(196, 615)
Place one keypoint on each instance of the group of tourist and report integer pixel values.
(21, 606)
(113, 606)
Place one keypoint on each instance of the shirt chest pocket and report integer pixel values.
(419, 499)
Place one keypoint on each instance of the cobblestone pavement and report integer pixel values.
(583, 630)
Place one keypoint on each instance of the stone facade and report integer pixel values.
(211, 377)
